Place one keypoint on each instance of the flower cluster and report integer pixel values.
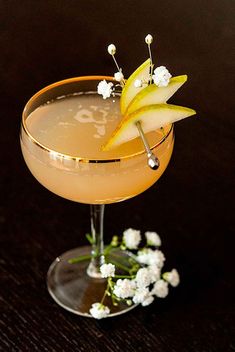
(160, 76)
(143, 280)
(99, 311)
(105, 89)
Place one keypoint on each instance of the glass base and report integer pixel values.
(74, 290)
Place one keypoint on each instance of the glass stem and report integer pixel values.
(97, 251)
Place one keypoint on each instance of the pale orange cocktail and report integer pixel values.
(62, 146)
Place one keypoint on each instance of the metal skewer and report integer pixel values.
(153, 161)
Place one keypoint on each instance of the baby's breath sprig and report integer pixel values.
(143, 281)
(136, 278)
(108, 89)
(148, 41)
(160, 76)
(118, 75)
(142, 82)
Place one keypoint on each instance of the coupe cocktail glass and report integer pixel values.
(63, 128)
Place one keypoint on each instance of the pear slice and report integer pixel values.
(151, 117)
(155, 95)
(129, 90)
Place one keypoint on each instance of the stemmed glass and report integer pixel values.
(92, 181)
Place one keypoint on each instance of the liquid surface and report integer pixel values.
(79, 125)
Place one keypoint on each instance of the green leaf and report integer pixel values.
(90, 238)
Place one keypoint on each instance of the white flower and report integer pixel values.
(104, 88)
(148, 39)
(155, 272)
(161, 76)
(138, 83)
(157, 258)
(124, 288)
(143, 256)
(140, 295)
(160, 289)
(172, 277)
(107, 270)
(153, 239)
(111, 49)
(99, 311)
(118, 76)
(149, 256)
(131, 238)
(148, 301)
(143, 278)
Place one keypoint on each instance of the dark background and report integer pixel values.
(191, 206)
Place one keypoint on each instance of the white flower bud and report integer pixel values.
(153, 239)
(140, 295)
(172, 277)
(143, 278)
(138, 83)
(107, 270)
(161, 76)
(111, 49)
(118, 76)
(99, 311)
(148, 39)
(124, 288)
(151, 257)
(148, 301)
(105, 89)
(160, 289)
(131, 238)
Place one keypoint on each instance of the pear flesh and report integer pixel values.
(129, 91)
(155, 95)
(152, 117)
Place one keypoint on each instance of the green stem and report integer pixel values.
(104, 295)
(107, 249)
(109, 286)
(79, 259)
(123, 267)
(124, 276)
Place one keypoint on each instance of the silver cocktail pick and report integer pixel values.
(153, 161)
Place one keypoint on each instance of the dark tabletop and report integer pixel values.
(191, 206)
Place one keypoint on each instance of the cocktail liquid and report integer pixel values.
(63, 150)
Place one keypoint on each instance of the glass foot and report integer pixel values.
(73, 289)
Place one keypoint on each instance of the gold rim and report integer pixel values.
(77, 158)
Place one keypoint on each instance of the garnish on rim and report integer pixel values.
(152, 117)
(118, 75)
(144, 98)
